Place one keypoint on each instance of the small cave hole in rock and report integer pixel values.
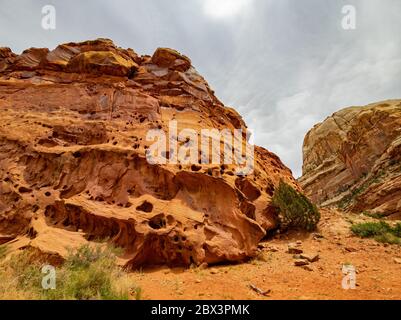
(24, 190)
(77, 154)
(195, 167)
(146, 206)
(157, 222)
(47, 194)
(32, 233)
(66, 222)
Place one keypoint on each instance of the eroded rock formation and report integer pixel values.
(73, 167)
(353, 159)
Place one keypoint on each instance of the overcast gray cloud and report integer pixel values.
(283, 64)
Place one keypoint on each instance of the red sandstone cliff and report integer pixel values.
(73, 168)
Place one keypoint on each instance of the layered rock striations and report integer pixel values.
(73, 164)
(353, 159)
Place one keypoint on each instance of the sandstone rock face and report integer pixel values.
(7, 57)
(73, 165)
(102, 62)
(353, 159)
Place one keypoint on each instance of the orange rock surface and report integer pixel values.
(73, 164)
(353, 159)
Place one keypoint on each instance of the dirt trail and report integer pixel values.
(377, 273)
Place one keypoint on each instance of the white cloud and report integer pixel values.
(225, 8)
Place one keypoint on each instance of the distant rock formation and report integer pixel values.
(73, 164)
(353, 159)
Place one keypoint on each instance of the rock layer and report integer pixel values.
(73, 164)
(353, 159)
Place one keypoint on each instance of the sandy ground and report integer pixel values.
(377, 270)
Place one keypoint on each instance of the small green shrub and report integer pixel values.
(388, 238)
(370, 229)
(295, 210)
(374, 215)
(84, 256)
(88, 273)
(397, 230)
(27, 271)
(380, 231)
(20, 276)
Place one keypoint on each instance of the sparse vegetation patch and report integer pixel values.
(380, 231)
(89, 273)
(296, 211)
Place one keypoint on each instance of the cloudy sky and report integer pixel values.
(283, 64)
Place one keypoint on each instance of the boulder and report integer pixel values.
(30, 59)
(170, 58)
(102, 62)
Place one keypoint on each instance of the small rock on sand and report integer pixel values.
(293, 249)
(203, 265)
(397, 260)
(214, 271)
(300, 262)
(313, 257)
(308, 268)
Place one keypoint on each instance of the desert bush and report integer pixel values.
(26, 269)
(87, 273)
(374, 215)
(380, 231)
(294, 209)
(15, 274)
(388, 238)
(370, 229)
(397, 230)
